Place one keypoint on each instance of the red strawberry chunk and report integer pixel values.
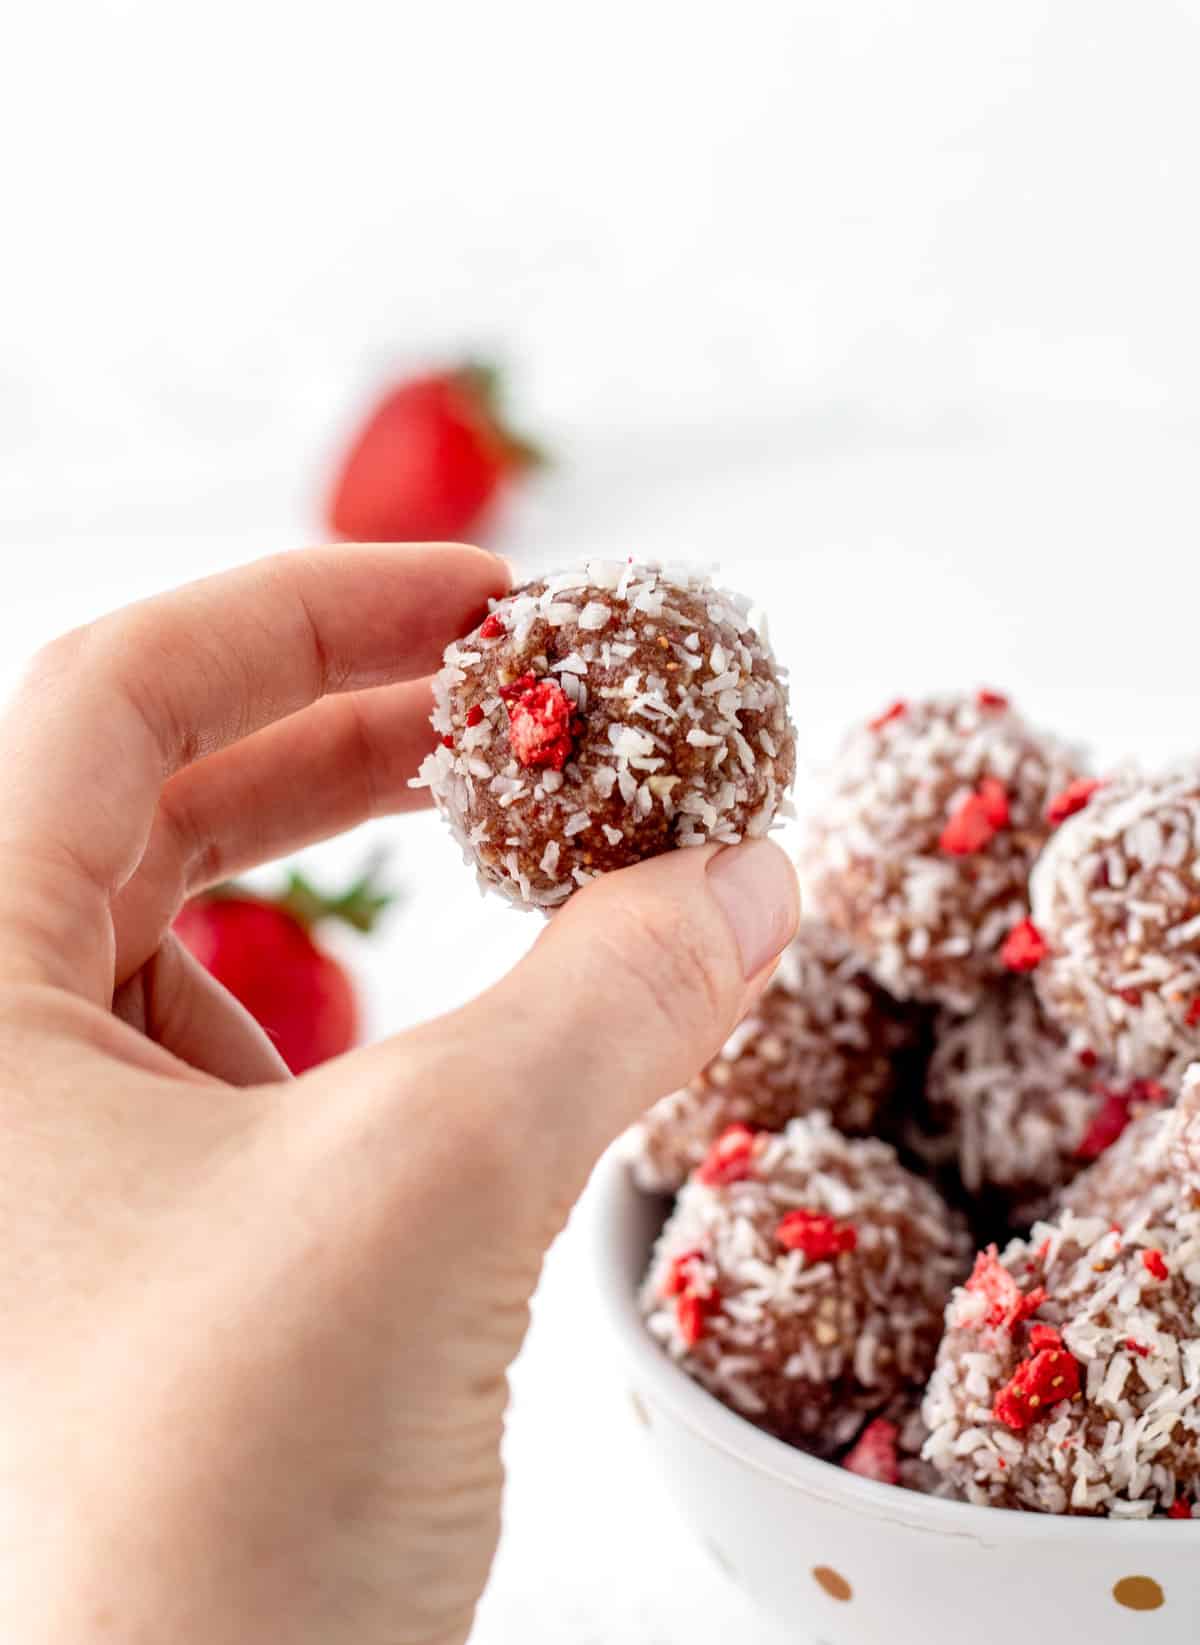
(991, 699)
(994, 799)
(1146, 1091)
(492, 628)
(1044, 1336)
(539, 726)
(691, 1314)
(1072, 799)
(1155, 1265)
(894, 711)
(1107, 1124)
(680, 1274)
(1193, 1012)
(1024, 948)
(1180, 1509)
(1007, 1304)
(818, 1236)
(976, 820)
(1111, 1119)
(729, 1159)
(1046, 1378)
(475, 714)
(874, 1454)
(1139, 1348)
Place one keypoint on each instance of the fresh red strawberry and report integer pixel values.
(429, 461)
(262, 950)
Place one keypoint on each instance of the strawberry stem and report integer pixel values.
(359, 906)
(483, 381)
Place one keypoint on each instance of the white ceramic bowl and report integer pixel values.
(845, 1561)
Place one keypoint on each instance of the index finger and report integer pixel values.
(108, 713)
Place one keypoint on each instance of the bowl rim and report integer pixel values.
(605, 1205)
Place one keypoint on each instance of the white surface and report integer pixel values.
(895, 318)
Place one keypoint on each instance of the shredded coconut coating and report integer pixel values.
(916, 1472)
(822, 1036)
(602, 716)
(1009, 1103)
(929, 910)
(1128, 1443)
(1184, 1133)
(1116, 896)
(805, 1348)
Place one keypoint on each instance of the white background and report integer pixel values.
(894, 318)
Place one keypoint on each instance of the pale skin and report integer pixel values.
(256, 1329)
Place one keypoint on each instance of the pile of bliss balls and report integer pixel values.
(934, 1210)
(937, 1202)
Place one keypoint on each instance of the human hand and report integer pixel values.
(256, 1329)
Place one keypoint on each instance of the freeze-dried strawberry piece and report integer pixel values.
(894, 711)
(874, 1454)
(729, 1159)
(1073, 798)
(1045, 1379)
(1007, 1304)
(540, 726)
(1024, 948)
(818, 1236)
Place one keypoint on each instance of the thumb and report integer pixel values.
(634, 985)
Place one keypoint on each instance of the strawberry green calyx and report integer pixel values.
(360, 906)
(483, 383)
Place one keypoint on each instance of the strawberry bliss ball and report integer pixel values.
(1116, 907)
(921, 850)
(1015, 1109)
(802, 1279)
(1068, 1381)
(602, 716)
(821, 1036)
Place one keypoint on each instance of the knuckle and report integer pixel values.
(59, 659)
(362, 755)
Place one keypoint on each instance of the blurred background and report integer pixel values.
(892, 316)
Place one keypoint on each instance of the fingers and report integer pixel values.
(110, 713)
(633, 986)
(342, 762)
(175, 1002)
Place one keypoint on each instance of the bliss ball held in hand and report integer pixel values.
(921, 850)
(602, 716)
(801, 1278)
(1116, 903)
(822, 1035)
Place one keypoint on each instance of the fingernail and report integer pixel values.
(755, 887)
